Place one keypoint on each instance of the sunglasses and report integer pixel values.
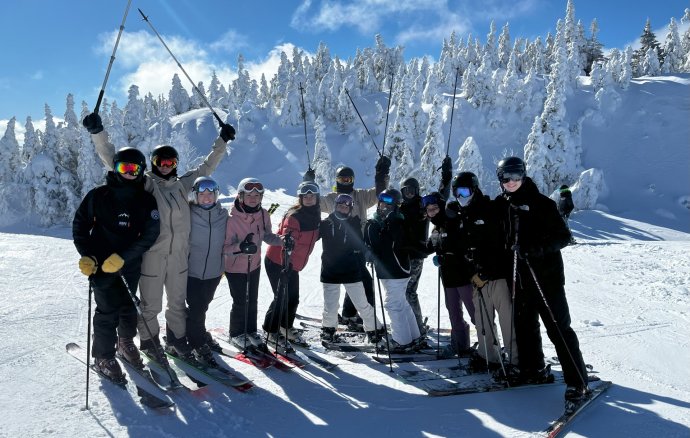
(386, 199)
(507, 177)
(429, 200)
(347, 180)
(463, 192)
(127, 168)
(207, 186)
(344, 200)
(165, 162)
(253, 187)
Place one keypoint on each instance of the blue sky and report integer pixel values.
(57, 47)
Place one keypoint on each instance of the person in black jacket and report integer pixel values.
(535, 233)
(482, 247)
(112, 228)
(386, 239)
(566, 206)
(343, 248)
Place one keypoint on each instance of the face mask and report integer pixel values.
(464, 202)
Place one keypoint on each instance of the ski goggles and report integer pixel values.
(123, 167)
(386, 198)
(344, 199)
(463, 192)
(207, 186)
(430, 200)
(345, 180)
(507, 177)
(164, 162)
(252, 187)
(307, 189)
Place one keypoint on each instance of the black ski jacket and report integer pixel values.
(416, 227)
(342, 248)
(389, 246)
(118, 217)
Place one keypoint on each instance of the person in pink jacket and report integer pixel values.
(301, 223)
(248, 225)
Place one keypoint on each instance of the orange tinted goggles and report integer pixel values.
(165, 162)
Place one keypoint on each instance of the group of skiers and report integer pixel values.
(160, 232)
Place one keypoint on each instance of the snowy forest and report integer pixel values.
(499, 82)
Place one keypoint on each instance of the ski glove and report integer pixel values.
(93, 123)
(309, 175)
(383, 165)
(227, 132)
(88, 265)
(478, 280)
(438, 260)
(247, 246)
(113, 263)
(447, 165)
(288, 242)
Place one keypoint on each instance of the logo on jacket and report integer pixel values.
(155, 215)
(123, 220)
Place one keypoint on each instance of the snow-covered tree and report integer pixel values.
(90, 171)
(504, 47)
(470, 160)
(647, 40)
(650, 64)
(673, 52)
(31, 145)
(135, 116)
(322, 62)
(490, 50)
(178, 96)
(10, 160)
(197, 100)
(399, 142)
(433, 151)
(685, 41)
(322, 156)
(187, 152)
(594, 51)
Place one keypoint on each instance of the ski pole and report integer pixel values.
(438, 314)
(112, 59)
(452, 109)
(201, 95)
(512, 309)
(88, 343)
(304, 119)
(383, 315)
(553, 319)
(362, 120)
(137, 305)
(388, 110)
(246, 304)
(376, 329)
(285, 276)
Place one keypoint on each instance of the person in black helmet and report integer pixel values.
(113, 227)
(363, 200)
(386, 239)
(164, 266)
(535, 233)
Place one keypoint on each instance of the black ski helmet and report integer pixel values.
(410, 184)
(344, 171)
(391, 196)
(465, 179)
(130, 155)
(163, 151)
(510, 165)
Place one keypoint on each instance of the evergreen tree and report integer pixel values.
(178, 96)
(400, 143)
(30, 147)
(345, 113)
(322, 156)
(433, 151)
(264, 92)
(510, 83)
(647, 40)
(504, 47)
(322, 62)
(197, 100)
(214, 96)
(470, 160)
(490, 53)
(47, 199)
(188, 156)
(594, 51)
(114, 124)
(673, 52)
(135, 116)
(69, 142)
(242, 85)
(90, 171)
(10, 161)
(650, 64)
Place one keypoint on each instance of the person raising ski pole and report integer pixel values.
(535, 234)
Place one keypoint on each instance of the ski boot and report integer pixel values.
(110, 368)
(129, 352)
(204, 356)
(574, 397)
(328, 334)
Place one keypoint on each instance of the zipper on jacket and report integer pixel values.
(208, 251)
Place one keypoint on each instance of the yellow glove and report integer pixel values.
(478, 281)
(88, 265)
(113, 263)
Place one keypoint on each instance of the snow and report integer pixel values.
(629, 294)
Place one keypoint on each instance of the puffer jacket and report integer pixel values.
(239, 225)
(303, 224)
(171, 194)
(206, 241)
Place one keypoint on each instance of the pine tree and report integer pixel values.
(47, 202)
(594, 51)
(647, 40)
(214, 96)
(135, 116)
(178, 96)
(30, 147)
(673, 52)
(90, 171)
(197, 100)
(650, 64)
(470, 159)
(432, 153)
(186, 151)
(504, 47)
(685, 41)
(322, 156)
(10, 161)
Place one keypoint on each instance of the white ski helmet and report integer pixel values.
(250, 185)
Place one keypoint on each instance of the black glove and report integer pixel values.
(93, 123)
(247, 246)
(288, 242)
(383, 165)
(447, 165)
(452, 210)
(309, 175)
(435, 239)
(227, 132)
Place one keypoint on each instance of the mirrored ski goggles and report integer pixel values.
(309, 189)
(207, 186)
(507, 177)
(386, 198)
(344, 200)
(430, 200)
(165, 162)
(252, 187)
(463, 192)
(345, 180)
(127, 168)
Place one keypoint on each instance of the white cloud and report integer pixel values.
(269, 65)
(230, 42)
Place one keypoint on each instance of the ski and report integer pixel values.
(562, 422)
(224, 348)
(426, 355)
(166, 375)
(210, 374)
(146, 374)
(146, 397)
(425, 374)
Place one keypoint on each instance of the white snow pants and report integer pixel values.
(331, 303)
(404, 328)
(496, 299)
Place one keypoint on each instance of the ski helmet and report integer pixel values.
(510, 165)
(130, 155)
(433, 198)
(344, 171)
(204, 184)
(409, 186)
(250, 185)
(390, 196)
(163, 152)
(464, 184)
